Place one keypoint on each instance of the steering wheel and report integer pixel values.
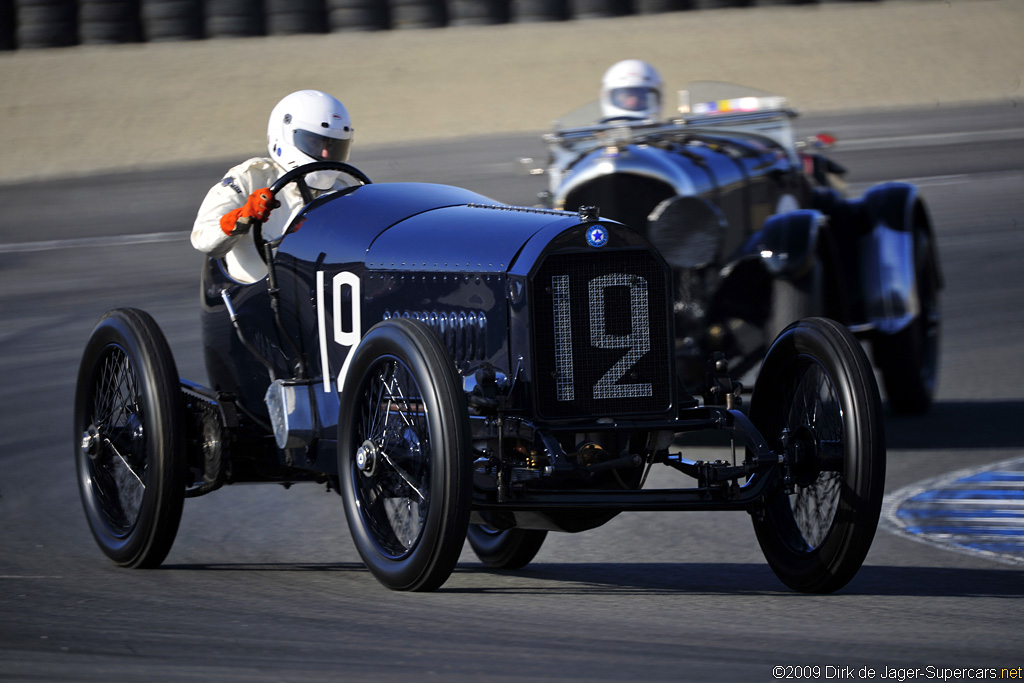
(298, 175)
(301, 172)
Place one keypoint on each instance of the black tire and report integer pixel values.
(290, 17)
(478, 12)
(103, 22)
(129, 452)
(413, 14)
(816, 383)
(659, 6)
(539, 10)
(717, 4)
(108, 11)
(506, 549)
(358, 19)
(307, 6)
(172, 20)
(6, 24)
(234, 19)
(358, 15)
(46, 23)
(294, 23)
(404, 456)
(234, 27)
(594, 9)
(909, 359)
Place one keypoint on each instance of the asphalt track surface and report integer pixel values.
(263, 584)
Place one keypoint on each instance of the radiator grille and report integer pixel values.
(601, 335)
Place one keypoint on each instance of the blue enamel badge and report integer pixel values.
(597, 236)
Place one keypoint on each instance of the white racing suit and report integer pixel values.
(241, 258)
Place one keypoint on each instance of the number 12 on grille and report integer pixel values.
(610, 297)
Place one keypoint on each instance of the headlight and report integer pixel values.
(687, 231)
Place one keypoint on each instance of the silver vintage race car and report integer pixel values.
(758, 231)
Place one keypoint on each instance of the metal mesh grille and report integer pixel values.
(601, 335)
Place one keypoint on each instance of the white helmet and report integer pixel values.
(631, 89)
(308, 126)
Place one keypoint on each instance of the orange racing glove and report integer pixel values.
(258, 207)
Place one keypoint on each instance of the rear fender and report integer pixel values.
(888, 215)
(787, 244)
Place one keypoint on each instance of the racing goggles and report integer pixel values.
(321, 147)
(636, 98)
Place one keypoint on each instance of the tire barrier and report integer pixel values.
(171, 20)
(719, 4)
(358, 15)
(46, 23)
(287, 17)
(59, 23)
(594, 9)
(659, 6)
(540, 10)
(6, 24)
(477, 12)
(234, 18)
(418, 14)
(102, 22)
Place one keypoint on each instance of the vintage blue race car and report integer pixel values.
(758, 231)
(456, 367)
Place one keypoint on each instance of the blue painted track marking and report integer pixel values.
(979, 511)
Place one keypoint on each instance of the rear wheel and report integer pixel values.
(816, 402)
(404, 456)
(505, 549)
(129, 458)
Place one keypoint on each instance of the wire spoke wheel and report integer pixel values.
(127, 431)
(116, 443)
(814, 415)
(403, 456)
(816, 403)
(394, 483)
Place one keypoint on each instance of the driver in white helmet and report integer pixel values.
(305, 126)
(631, 90)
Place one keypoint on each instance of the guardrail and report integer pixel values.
(57, 23)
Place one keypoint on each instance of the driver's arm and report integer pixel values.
(230, 206)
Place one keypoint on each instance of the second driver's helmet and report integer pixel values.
(307, 126)
(631, 89)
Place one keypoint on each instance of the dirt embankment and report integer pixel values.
(75, 110)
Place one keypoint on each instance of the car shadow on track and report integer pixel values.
(937, 582)
(736, 579)
(355, 567)
(649, 578)
(951, 425)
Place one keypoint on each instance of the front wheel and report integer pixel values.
(404, 456)
(816, 403)
(128, 447)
